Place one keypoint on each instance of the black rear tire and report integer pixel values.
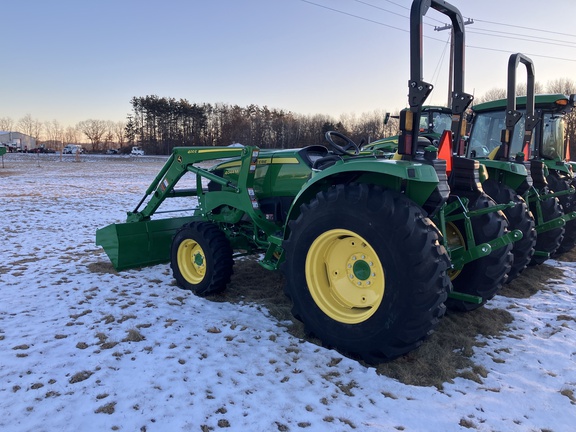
(568, 203)
(406, 286)
(483, 277)
(201, 258)
(520, 218)
(548, 241)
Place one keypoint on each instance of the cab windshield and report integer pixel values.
(435, 122)
(487, 134)
(487, 129)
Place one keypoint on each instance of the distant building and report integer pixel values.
(17, 141)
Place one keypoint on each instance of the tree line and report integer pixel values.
(158, 124)
(101, 134)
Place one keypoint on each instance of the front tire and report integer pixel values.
(201, 258)
(365, 271)
(485, 276)
(519, 217)
(548, 241)
(568, 203)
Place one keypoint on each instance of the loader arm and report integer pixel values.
(179, 163)
(142, 241)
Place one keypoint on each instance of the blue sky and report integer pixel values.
(72, 60)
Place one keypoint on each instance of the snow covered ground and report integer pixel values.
(84, 348)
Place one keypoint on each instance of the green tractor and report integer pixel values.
(365, 266)
(501, 138)
(470, 217)
(547, 153)
(433, 121)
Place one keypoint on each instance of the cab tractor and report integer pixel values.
(548, 149)
(502, 138)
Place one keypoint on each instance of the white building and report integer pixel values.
(17, 141)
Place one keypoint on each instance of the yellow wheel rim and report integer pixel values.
(345, 276)
(191, 261)
(455, 240)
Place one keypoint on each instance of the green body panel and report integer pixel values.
(283, 173)
(560, 166)
(509, 173)
(277, 173)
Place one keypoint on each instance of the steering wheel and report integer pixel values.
(349, 147)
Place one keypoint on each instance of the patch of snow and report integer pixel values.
(85, 348)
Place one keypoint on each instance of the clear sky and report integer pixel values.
(73, 60)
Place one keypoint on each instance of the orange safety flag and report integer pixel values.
(526, 150)
(445, 149)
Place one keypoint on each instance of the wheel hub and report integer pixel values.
(191, 261)
(345, 276)
(455, 240)
(359, 271)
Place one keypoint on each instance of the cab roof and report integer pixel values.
(556, 101)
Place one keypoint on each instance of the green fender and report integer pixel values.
(511, 174)
(561, 166)
(416, 180)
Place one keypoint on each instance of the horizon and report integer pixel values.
(72, 62)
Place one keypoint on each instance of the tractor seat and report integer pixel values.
(311, 154)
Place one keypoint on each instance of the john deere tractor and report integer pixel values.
(365, 265)
(502, 138)
(470, 216)
(433, 121)
(547, 152)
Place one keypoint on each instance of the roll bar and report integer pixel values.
(418, 89)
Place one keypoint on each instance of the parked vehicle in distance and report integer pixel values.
(111, 151)
(137, 151)
(72, 149)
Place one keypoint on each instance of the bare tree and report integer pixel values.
(70, 135)
(521, 89)
(54, 134)
(561, 85)
(120, 133)
(95, 130)
(490, 95)
(30, 126)
(6, 124)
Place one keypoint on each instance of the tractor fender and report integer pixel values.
(415, 180)
(511, 174)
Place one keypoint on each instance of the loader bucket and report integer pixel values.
(139, 244)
